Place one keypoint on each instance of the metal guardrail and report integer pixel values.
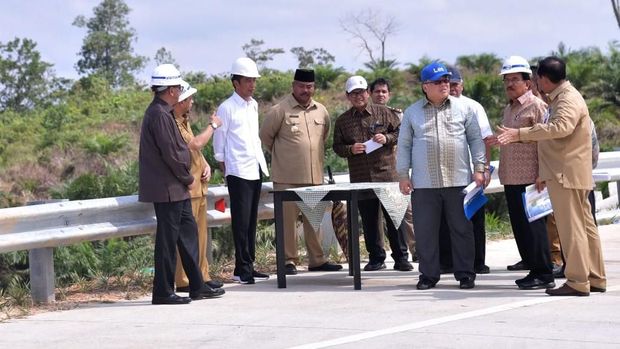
(40, 228)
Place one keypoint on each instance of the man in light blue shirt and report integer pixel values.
(436, 137)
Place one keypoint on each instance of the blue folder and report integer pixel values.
(474, 204)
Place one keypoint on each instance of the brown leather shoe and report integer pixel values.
(565, 290)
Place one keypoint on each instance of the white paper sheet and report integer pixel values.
(372, 146)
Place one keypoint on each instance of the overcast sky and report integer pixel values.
(207, 35)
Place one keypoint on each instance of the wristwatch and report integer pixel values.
(214, 125)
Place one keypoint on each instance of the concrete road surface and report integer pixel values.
(321, 310)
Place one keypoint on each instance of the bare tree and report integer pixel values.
(370, 29)
(255, 52)
(616, 6)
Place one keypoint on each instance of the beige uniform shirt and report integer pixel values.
(564, 143)
(199, 163)
(295, 136)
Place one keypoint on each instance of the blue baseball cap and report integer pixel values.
(434, 72)
(456, 74)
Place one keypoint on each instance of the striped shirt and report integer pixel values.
(435, 143)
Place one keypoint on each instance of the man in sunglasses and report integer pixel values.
(437, 135)
(363, 122)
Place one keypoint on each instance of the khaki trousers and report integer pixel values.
(554, 241)
(199, 209)
(291, 211)
(581, 244)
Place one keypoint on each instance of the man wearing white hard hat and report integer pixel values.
(199, 169)
(518, 168)
(362, 122)
(238, 150)
(164, 180)
(565, 159)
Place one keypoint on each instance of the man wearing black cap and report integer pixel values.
(294, 131)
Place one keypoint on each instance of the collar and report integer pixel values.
(167, 107)
(524, 97)
(240, 101)
(561, 88)
(292, 102)
(443, 104)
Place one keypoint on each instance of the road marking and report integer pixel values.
(437, 321)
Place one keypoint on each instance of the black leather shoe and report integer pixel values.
(207, 292)
(482, 269)
(374, 266)
(214, 284)
(403, 265)
(535, 283)
(520, 265)
(466, 283)
(565, 290)
(244, 280)
(259, 275)
(327, 266)
(171, 299)
(424, 284)
(290, 269)
(597, 289)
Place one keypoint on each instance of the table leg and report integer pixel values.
(279, 223)
(354, 236)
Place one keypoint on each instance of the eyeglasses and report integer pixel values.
(512, 81)
(438, 82)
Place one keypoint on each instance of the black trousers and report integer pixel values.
(480, 241)
(429, 206)
(176, 227)
(244, 196)
(369, 211)
(532, 240)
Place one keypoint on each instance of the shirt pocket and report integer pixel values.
(292, 124)
(317, 128)
(454, 123)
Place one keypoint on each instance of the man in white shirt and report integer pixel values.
(237, 148)
(445, 257)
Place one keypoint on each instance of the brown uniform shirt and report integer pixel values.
(199, 163)
(358, 127)
(518, 162)
(295, 136)
(564, 143)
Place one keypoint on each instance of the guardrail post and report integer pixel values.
(41, 261)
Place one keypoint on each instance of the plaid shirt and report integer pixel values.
(435, 143)
(358, 127)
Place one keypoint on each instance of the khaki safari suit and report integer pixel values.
(565, 163)
(199, 205)
(295, 136)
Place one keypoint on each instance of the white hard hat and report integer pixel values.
(245, 67)
(187, 91)
(355, 82)
(166, 75)
(515, 64)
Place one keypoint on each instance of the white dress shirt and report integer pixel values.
(236, 142)
(481, 116)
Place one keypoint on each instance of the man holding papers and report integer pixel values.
(366, 135)
(518, 168)
(437, 135)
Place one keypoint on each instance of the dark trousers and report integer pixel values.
(176, 228)
(480, 241)
(430, 205)
(244, 196)
(532, 240)
(369, 211)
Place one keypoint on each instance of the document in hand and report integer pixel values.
(474, 199)
(537, 205)
(372, 146)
